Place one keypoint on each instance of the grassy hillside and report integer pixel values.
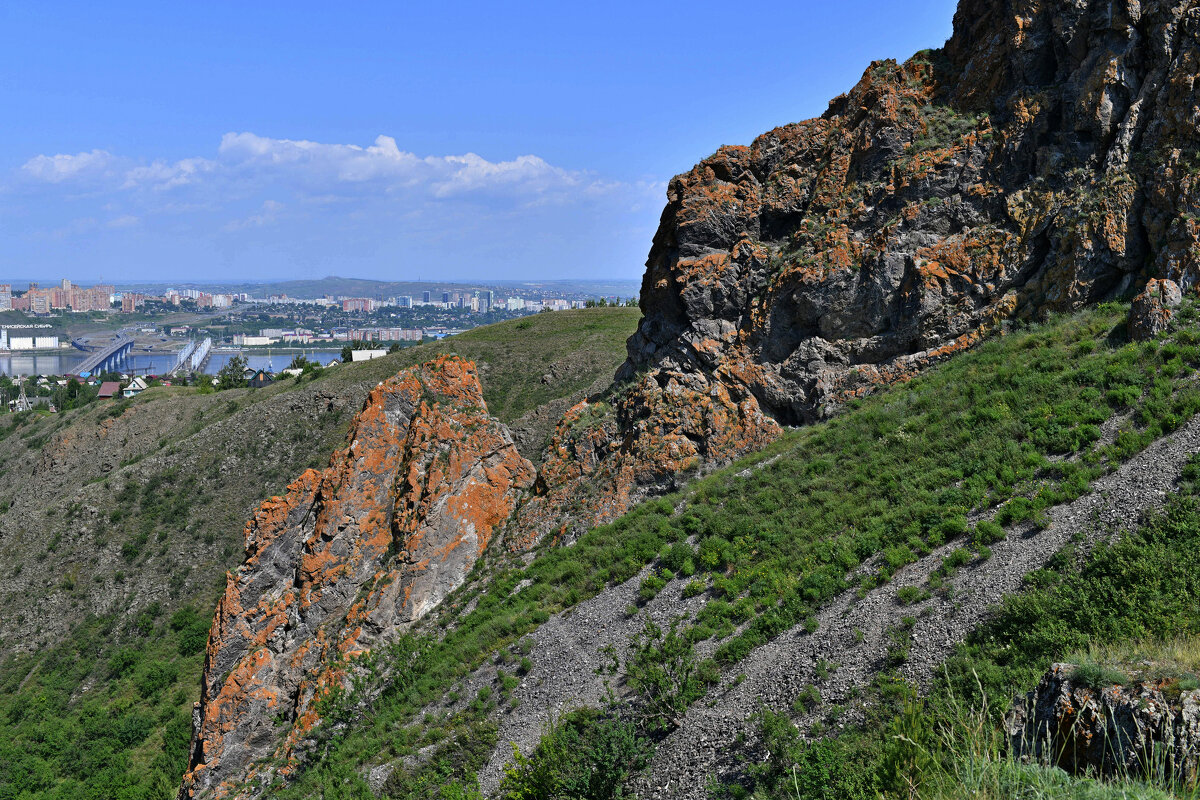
(1024, 422)
(574, 348)
(120, 520)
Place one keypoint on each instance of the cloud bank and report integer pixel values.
(273, 205)
(246, 158)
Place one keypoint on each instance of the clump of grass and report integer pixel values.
(1097, 676)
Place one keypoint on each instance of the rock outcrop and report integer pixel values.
(1145, 727)
(1152, 310)
(1046, 158)
(345, 562)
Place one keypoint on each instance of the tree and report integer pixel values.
(299, 362)
(232, 375)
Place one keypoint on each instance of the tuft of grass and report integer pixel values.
(1097, 676)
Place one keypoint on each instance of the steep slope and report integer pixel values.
(905, 518)
(1045, 159)
(119, 521)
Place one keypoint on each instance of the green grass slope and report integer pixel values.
(1017, 425)
(119, 521)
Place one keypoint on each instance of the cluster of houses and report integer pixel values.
(115, 390)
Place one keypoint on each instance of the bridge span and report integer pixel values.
(108, 358)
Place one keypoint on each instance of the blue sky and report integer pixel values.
(394, 140)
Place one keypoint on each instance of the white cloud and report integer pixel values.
(247, 162)
(393, 169)
(62, 167)
(124, 221)
(267, 216)
(161, 175)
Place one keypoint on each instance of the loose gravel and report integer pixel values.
(853, 634)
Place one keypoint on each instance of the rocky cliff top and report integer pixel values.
(1046, 158)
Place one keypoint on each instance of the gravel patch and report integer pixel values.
(776, 673)
(853, 634)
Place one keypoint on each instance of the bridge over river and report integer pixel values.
(108, 358)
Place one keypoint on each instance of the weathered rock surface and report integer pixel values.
(1147, 727)
(346, 561)
(1152, 310)
(1048, 157)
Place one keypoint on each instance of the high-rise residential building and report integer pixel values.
(488, 299)
(445, 298)
(39, 302)
(351, 304)
(6, 297)
(425, 297)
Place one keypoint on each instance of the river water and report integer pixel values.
(143, 363)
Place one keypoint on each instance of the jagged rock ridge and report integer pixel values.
(1046, 158)
(347, 560)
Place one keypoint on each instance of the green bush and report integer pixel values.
(907, 595)
(585, 755)
(988, 532)
(796, 770)
(192, 628)
(155, 676)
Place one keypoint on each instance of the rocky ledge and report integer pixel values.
(1143, 727)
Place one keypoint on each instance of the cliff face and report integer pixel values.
(346, 561)
(1045, 159)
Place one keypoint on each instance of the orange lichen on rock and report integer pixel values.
(348, 558)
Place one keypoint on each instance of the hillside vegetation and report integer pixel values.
(990, 440)
(120, 520)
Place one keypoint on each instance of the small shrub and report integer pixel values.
(988, 532)
(908, 595)
(808, 699)
(155, 677)
(586, 755)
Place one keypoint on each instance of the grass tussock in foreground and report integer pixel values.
(1017, 425)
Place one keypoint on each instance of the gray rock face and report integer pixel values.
(1045, 159)
(1146, 727)
(1152, 310)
